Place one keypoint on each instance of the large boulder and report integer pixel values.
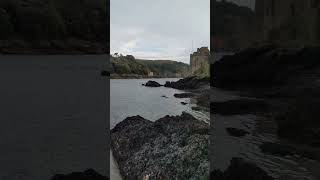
(152, 84)
(192, 82)
(173, 147)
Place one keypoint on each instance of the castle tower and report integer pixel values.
(199, 61)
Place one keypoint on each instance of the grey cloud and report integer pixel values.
(159, 29)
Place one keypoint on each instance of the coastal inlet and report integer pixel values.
(135, 107)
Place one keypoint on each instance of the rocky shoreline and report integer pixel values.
(173, 147)
(281, 85)
(196, 87)
(286, 79)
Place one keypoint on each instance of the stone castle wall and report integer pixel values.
(199, 61)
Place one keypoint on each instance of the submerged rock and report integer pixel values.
(240, 169)
(152, 84)
(173, 147)
(89, 174)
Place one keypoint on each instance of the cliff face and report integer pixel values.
(53, 25)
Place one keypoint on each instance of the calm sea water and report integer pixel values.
(54, 119)
(129, 98)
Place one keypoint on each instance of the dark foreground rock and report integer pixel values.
(152, 84)
(89, 174)
(300, 121)
(263, 67)
(192, 82)
(173, 147)
(184, 95)
(240, 106)
(237, 132)
(240, 169)
(277, 149)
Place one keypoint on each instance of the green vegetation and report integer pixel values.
(128, 65)
(166, 68)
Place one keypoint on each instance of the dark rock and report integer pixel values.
(184, 95)
(300, 121)
(240, 169)
(262, 67)
(105, 73)
(203, 99)
(89, 174)
(173, 147)
(152, 84)
(277, 149)
(241, 106)
(192, 82)
(237, 132)
(184, 103)
(164, 96)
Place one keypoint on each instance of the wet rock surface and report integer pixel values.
(89, 174)
(240, 169)
(173, 147)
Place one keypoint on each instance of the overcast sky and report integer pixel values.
(159, 29)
